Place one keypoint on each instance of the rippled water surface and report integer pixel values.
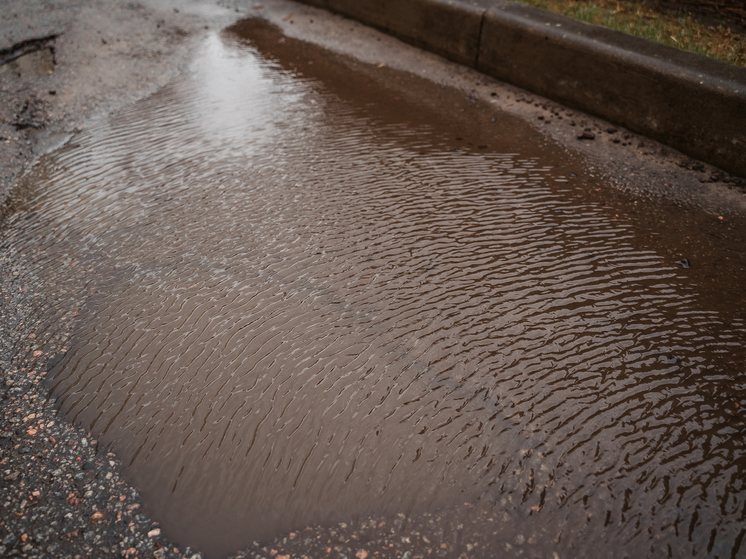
(305, 297)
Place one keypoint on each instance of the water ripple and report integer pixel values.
(296, 310)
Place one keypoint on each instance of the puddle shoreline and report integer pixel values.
(328, 274)
(355, 530)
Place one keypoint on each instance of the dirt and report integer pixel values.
(731, 13)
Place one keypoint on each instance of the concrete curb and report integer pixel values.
(687, 101)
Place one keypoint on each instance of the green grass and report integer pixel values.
(636, 18)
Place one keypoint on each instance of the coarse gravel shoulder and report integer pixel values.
(62, 65)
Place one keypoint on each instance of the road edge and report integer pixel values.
(689, 102)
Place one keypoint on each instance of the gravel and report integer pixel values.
(61, 493)
(62, 65)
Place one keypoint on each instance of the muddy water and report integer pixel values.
(307, 292)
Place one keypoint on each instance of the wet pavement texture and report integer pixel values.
(299, 294)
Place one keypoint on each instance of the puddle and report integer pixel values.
(46, 141)
(32, 65)
(306, 292)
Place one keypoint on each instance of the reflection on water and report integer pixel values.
(306, 301)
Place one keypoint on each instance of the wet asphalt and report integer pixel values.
(61, 493)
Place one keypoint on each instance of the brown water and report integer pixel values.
(307, 295)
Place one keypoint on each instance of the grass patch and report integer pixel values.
(636, 18)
